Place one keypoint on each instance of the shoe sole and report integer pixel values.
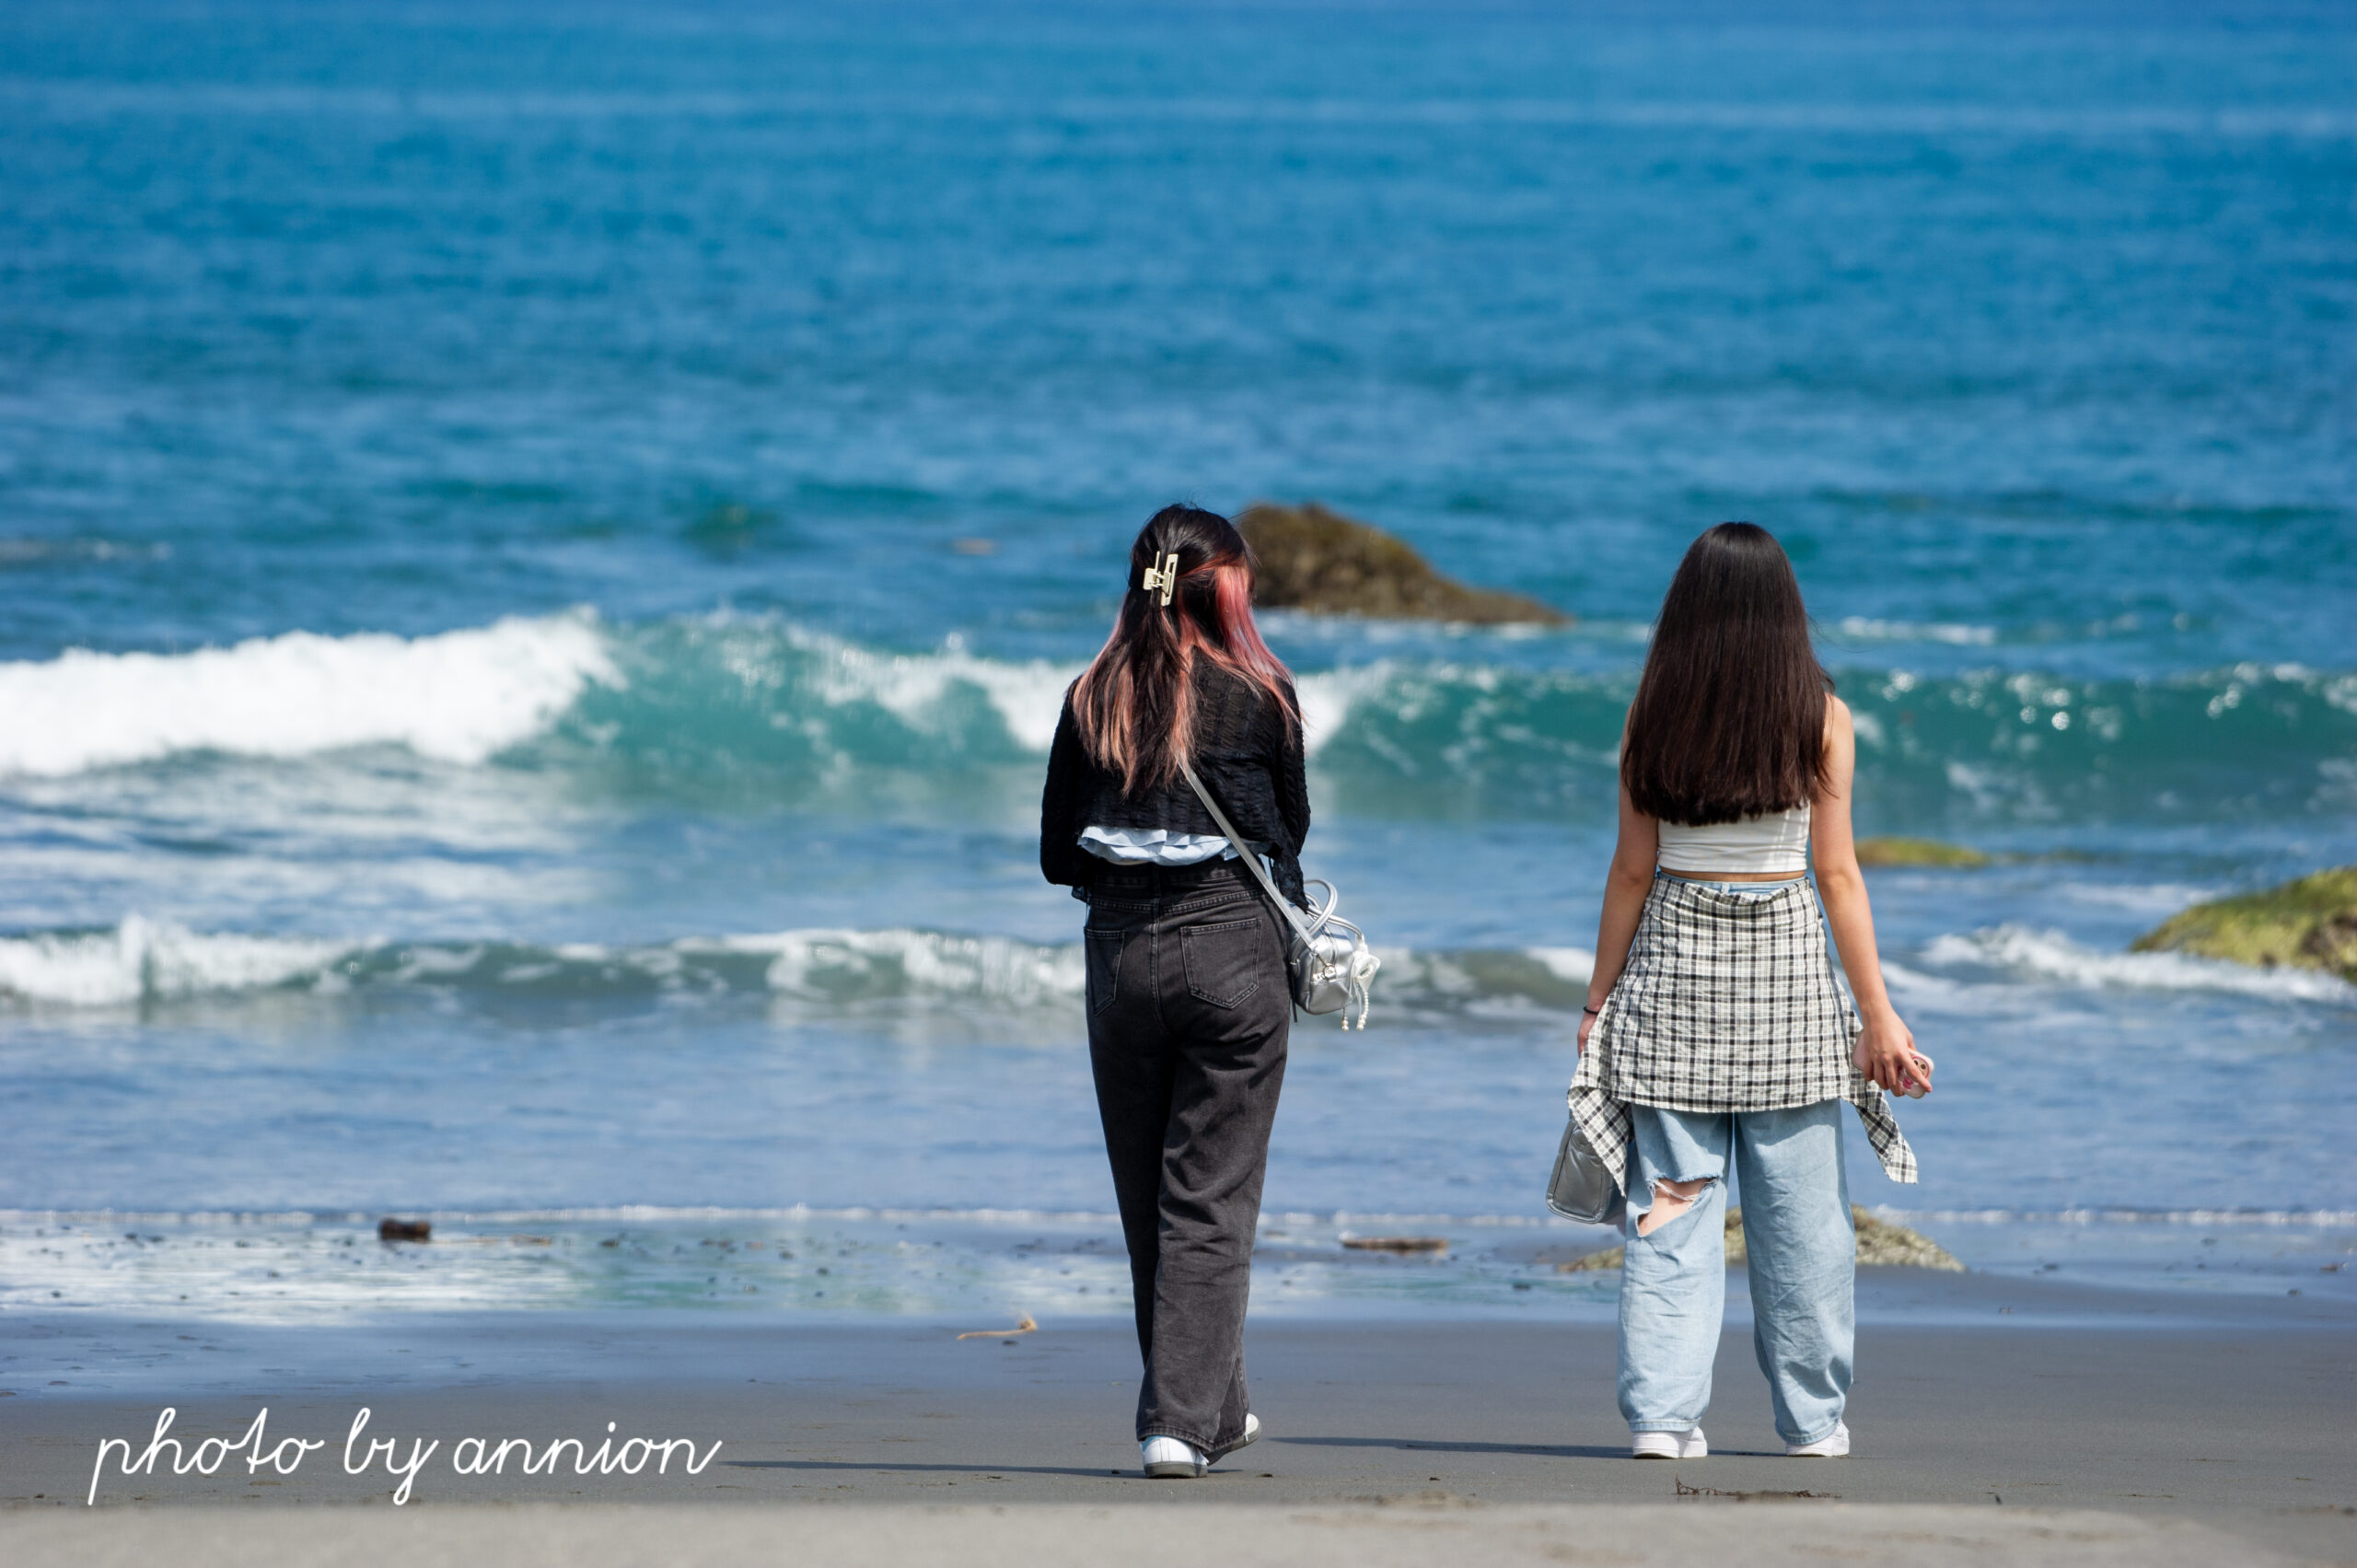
(1172, 1470)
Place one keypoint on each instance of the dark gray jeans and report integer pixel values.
(1188, 1012)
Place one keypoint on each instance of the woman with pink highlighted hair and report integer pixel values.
(1187, 999)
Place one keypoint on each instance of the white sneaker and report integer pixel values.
(1834, 1445)
(1171, 1459)
(1688, 1445)
(1251, 1435)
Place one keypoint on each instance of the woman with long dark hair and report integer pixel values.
(1716, 1037)
(1187, 999)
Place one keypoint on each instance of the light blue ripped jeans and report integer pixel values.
(1803, 1264)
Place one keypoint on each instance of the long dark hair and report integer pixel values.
(1729, 719)
(1134, 704)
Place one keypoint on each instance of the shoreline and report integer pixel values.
(854, 1266)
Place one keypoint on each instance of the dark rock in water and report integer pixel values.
(2310, 924)
(405, 1230)
(1320, 560)
(1880, 1245)
(1916, 851)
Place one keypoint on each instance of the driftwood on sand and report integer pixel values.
(1399, 1244)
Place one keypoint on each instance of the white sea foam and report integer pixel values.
(143, 959)
(148, 961)
(828, 964)
(458, 696)
(1915, 986)
(1028, 697)
(2049, 954)
(1327, 698)
(1573, 965)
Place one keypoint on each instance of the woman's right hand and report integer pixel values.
(1887, 1055)
(1587, 1022)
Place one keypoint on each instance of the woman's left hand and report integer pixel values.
(1887, 1055)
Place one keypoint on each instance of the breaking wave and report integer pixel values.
(460, 696)
(693, 705)
(2049, 956)
(147, 961)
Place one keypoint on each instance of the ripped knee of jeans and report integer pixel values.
(1671, 1199)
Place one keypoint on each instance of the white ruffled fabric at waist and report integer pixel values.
(1154, 846)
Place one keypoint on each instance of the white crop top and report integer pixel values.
(1775, 842)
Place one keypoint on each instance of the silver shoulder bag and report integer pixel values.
(1327, 961)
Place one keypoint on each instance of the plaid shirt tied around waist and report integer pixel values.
(1728, 1002)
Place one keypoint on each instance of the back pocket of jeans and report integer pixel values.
(1224, 960)
(1104, 968)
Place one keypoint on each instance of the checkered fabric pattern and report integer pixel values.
(1728, 1002)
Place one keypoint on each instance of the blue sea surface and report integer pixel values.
(541, 545)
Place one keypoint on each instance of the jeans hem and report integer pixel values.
(1150, 1432)
(1831, 1427)
(1679, 1426)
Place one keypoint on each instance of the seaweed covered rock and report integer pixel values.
(1321, 560)
(1880, 1245)
(1916, 851)
(2310, 923)
(1884, 1245)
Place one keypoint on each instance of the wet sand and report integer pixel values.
(2230, 1414)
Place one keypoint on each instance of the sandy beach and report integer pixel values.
(2162, 1411)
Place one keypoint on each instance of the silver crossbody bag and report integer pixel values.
(1327, 961)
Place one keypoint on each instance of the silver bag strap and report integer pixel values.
(1302, 925)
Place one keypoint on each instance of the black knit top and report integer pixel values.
(1247, 755)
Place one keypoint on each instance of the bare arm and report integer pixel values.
(1885, 1051)
(1625, 887)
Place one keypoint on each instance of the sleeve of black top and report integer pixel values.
(1060, 850)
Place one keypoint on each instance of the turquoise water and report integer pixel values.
(540, 544)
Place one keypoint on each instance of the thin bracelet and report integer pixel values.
(1591, 1010)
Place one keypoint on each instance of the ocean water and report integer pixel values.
(541, 545)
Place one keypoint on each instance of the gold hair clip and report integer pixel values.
(1163, 574)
